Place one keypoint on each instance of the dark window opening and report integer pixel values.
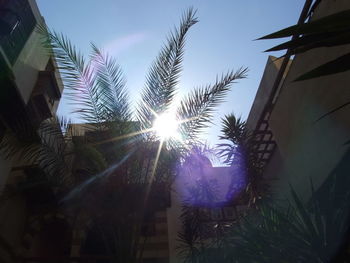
(17, 22)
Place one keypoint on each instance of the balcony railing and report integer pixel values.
(17, 23)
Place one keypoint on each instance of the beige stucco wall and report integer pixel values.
(264, 91)
(311, 148)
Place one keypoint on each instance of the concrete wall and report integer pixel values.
(311, 148)
(264, 91)
(32, 59)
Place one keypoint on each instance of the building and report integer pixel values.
(297, 145)
(204, 191)
(30, 92)
(87, 241)
(30, 81)
(293, 142)
(73, 224)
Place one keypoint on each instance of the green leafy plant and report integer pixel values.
(240, 152)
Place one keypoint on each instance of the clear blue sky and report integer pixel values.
(134, 31)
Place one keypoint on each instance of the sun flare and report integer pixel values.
(166, 126)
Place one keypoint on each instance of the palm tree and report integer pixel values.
(240, 154)
(191, 237)
(123, 152)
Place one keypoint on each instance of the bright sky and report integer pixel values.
(134, 30)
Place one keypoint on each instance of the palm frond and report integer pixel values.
(189, 236)
(53, 158)
(233, 129)
(46, 148)
(164, 74)
(113, 97)
(20, 139)
(77, 75)
(196, 110)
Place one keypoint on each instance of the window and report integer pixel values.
(9, 21)
(17, 22)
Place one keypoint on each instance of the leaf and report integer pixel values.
(78, 76)
(347, 142)
(337, 65)
(303, 213)
(332, 23)
(334, 110)
(112, 96)
(307, 42)
(233, 129)
(196, 110)
(319, 224)
(164, 74)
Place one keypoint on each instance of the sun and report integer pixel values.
(166, 126)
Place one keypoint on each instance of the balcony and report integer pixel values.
(38, 109)
(44, 95)
(47, 83)
(18, 116)
(17, 22)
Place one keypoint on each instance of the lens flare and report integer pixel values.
(166, 126)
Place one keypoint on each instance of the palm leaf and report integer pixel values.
(233, 129)
(196, 110)
(333, 23)
(112, 94)
(164, 73)
(307, 42)
(334, 110)
(46, 149)
(337, 65)
(303, 214)
(77, 75)
(189, 236)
